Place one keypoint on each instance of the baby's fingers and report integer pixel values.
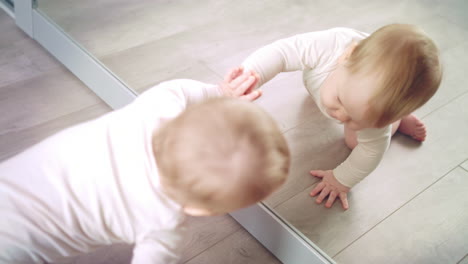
(317, 173)
(254, 84)
(240, 78)
(244, 86)
(252, 96)
(331, 199)
(322, 195)
(318, 188)
(344, 200)
(233, 74)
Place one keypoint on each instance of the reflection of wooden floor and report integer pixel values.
(412, 209)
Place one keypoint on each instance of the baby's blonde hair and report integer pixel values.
(406, 62)
(221, 155)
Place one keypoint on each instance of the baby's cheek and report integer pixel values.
(328, 99)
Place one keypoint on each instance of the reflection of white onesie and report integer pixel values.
(316, 54)
(96, 184)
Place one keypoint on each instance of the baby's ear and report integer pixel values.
(197, 211)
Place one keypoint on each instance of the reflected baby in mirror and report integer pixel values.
(370, 83)
(134, 174)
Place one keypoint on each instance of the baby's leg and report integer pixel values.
(412, 126)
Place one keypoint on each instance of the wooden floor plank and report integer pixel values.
(205, 232)
(12, 143)
(40, 99)
(419, 232)
(238, 248)
(124, 25)
(143, 67)
(20, 57)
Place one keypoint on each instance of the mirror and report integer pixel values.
(410, 209)
(7, 6)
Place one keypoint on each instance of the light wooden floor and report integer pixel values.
(412, 209)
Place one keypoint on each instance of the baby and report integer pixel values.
(133, 174)
(371, 84)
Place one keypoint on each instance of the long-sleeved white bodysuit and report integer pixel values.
(96, 184)
(316, 54)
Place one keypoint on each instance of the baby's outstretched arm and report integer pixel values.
(172, 97)
(365, 157)
(285, 55)
(238, 83)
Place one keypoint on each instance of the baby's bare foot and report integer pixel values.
(411, 125)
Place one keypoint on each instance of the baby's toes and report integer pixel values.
(420, 134)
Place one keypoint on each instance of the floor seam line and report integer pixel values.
(396, 210)
(240, 227)
(462, 259)
(442, 106)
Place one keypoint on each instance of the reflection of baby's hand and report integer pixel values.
(331, 187)
(240, 84)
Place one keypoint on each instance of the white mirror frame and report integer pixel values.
(281, 238)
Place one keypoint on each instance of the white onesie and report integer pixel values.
(316, 54)
(95, 184)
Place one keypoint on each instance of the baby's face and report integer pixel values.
(347, 98)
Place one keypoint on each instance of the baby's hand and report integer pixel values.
(240, 84)
(331, 187)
